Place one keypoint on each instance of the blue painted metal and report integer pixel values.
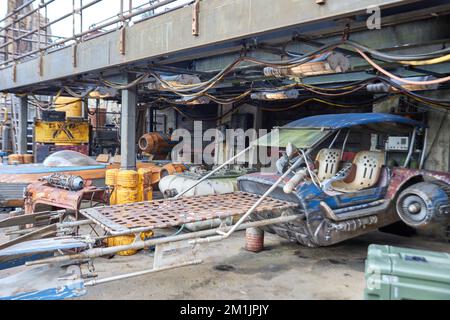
(342, 121)
(43, 245)
(16, 262)
(38, 169)
(309, 195)
(74, 290)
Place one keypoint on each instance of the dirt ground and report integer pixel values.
(283, 271)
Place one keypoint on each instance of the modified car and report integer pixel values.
(357, 173)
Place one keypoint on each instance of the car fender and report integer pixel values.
(402, 178)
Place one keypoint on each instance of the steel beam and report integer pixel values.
(23, 126)
(128, 125)
(219, 21)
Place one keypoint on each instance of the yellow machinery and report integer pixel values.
(71, 106)
(70, 132)
(129, 187)
(58, 134)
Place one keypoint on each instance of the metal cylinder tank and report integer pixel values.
(209, 187)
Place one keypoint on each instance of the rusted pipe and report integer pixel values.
(100, 252)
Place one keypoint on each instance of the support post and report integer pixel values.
(128, 126)
(23, 126)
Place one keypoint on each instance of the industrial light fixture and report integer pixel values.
(276, 95)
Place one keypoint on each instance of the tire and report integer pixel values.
(419, 205)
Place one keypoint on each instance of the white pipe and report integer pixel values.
(140, 273)
(335, 138)
(224, 235)
(99, 252)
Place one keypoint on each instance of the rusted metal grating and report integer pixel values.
(162, 214)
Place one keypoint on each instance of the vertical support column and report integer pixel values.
(23, 126)
(151, 119)
(128, 126)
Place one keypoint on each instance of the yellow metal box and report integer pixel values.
(67, 132)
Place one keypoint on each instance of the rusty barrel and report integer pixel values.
(156, 143)
(254, 238)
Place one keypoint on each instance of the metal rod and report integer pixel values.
(50, 24)
(335, 138)
(424, 151)
(224, 235)
(16, 20)
(140, 273)
(411, 148)
(344, 145)
(106, 24)
(99, 252)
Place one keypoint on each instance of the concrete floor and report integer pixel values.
(282, 271)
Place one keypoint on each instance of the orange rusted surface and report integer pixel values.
(30, 178)
(40, 193)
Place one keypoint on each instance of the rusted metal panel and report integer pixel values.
(162, 214)
(401, 176)
(42, 194)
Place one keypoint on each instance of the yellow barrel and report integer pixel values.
(111, 181)
(15, 159)
(71, 106)
(127, 179)
(126, 195)
(127, 240)
(111, 177)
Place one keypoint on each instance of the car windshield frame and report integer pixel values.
(303, 138)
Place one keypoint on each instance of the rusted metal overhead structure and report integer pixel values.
(169, 36)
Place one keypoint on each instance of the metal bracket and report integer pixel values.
(14, 72)
(41, 64)
(122, 41)
(74, 55)
(195, 18)
(172, 254)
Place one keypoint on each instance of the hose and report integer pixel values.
(427, 62)
(393, 76)
(398, 58)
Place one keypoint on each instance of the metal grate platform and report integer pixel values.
(162, 214)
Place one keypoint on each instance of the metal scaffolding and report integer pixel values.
(25, 32)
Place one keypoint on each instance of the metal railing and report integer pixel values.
(13, 35)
